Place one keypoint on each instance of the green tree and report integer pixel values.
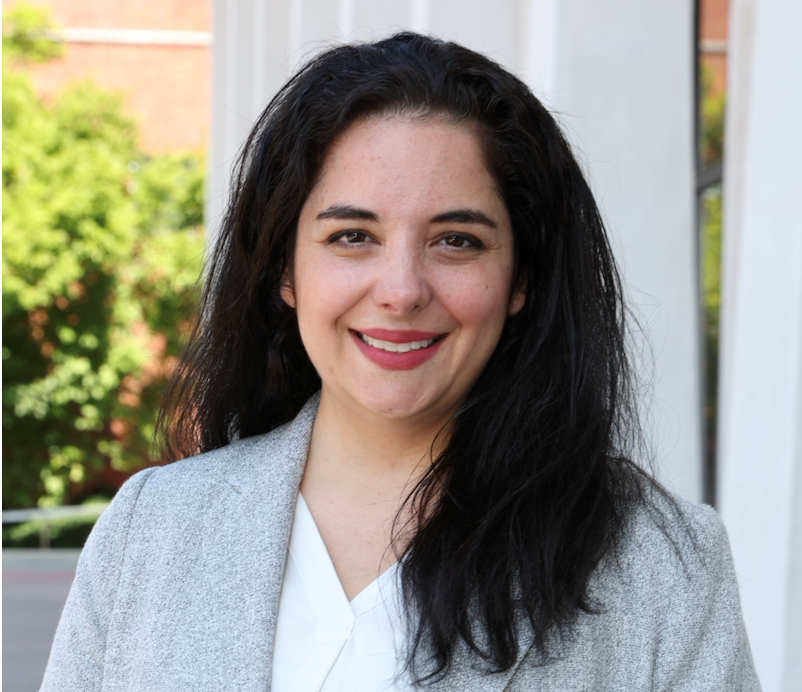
(711, 146)
(711, 150)
(102, 247)
(711, 132)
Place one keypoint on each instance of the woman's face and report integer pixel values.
(403, 270)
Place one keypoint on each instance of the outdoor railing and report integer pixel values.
(17, 516)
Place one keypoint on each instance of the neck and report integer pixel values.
(359, 470)
(351, 445)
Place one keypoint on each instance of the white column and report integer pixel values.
(537, 63)
(620, 73)
(251, 52)
(623, 90)
(760, 398)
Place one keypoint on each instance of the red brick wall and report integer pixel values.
(713, 22)
(166, 88)
(174, 15)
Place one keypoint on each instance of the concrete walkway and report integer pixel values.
(35, 587)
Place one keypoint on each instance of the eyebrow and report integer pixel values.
(464, 216)
(347, 212)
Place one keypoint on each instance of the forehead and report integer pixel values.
(406, 160)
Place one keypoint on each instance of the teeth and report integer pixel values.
(393, 347)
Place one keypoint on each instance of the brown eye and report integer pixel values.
(461, 241)
(349, 237)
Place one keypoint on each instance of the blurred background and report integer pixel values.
(121, 122)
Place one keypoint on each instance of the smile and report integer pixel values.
(393, 347)
(408, 349)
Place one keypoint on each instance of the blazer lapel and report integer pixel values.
(248, 534)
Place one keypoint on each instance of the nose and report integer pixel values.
(402, 286)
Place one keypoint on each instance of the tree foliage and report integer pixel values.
(711, 150)
(102, 248)
(713, 106)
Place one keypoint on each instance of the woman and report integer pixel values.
(410, 236)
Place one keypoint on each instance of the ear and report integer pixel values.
(287, 292)
(518, 297)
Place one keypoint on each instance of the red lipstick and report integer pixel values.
(399, 336)
(398, 361)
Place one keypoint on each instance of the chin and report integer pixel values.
(397, 405)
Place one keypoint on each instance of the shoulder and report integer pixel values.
(665, 612)
(161, 490)
(180, 480)
(669, 536)
(669, 596)
(671, 556)
(261, 468)
(262, 458)
(199, 543)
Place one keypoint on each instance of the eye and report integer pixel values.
(349, 237)
(461, 240)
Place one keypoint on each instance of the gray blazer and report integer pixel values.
(178, 590)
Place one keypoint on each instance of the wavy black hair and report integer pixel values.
(534, 483)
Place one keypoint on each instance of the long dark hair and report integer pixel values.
(534, 484)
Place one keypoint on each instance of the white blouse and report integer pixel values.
(324, 643)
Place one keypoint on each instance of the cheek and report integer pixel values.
(480, 306)
(322, 295)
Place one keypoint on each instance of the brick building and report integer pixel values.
(713, 15)
(157, 53)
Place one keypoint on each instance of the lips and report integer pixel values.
(395, 347)
(398, 349)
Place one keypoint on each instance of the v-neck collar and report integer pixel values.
(268, 475)
(326, 593)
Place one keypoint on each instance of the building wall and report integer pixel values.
(624, 91)
(713, 24)
(167, 88)
(760, 385)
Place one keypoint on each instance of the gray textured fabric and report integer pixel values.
(178, 589)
